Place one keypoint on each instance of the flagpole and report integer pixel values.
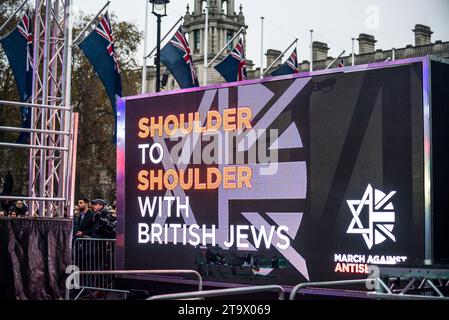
(145, 44)
(13, 15)
(280, 56)
(164, 37)
(261, 47)
(353, 54)
(311, 50)
(158, 54)
(75, 42)
(206, 46)
(225, 46)
(342, 53)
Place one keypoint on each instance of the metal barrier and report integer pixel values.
(221, 293)
(336, 283)
(73, 281)
(378, 282)
(393, 296)
(90, 254)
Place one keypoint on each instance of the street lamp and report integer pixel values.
(159, 9)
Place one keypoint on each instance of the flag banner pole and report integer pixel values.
(311, 50)
(225, 46)
(75, 42)
(206, 44)
(353, 52)
(166, 35)
(342, 53)
(13, 15)
(280, 56)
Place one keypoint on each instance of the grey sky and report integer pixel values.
(335, 22)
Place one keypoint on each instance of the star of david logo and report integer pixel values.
(381, 216)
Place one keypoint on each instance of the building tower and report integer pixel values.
(224, 23)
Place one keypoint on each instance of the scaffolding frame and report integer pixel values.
(54, 125)
(48, 175)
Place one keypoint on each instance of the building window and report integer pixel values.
(229, 36)
(196, 40)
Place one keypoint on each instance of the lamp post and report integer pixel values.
(145, 40)
(159, 9)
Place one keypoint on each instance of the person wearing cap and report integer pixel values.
(104, 221)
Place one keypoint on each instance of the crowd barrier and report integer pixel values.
(93, 254)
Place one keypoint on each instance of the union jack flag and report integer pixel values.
(25, 30)
(232, 68)
(104, 29)
(288, 67)
(18, 47)
(341, 64)
(239, 54)
(180, 42)
(176, 56)
(98, 47)
(293, 61)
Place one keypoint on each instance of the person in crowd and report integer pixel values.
(19, 208)
(104, 221)
(84, 223)
(2, 213)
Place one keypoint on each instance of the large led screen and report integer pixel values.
(275, 181)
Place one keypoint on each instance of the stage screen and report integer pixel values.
(278, 181)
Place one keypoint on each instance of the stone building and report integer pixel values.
(224, 22)
(368, 52)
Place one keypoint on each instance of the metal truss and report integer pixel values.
(425, 286)
(50, 159)
(426, 281)
(419, 288)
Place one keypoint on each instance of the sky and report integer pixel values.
(334, 22)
